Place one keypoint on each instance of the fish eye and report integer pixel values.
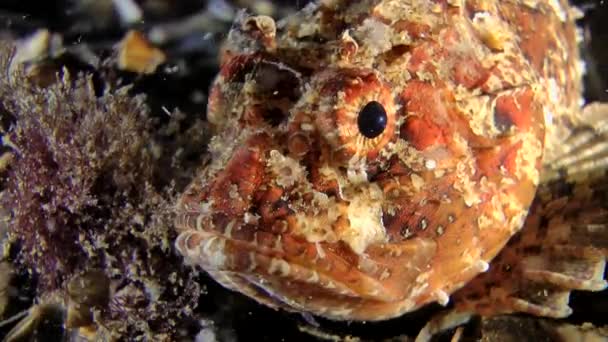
(372, 119)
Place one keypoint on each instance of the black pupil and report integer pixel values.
(372, 120)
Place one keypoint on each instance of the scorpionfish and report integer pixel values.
(373, 156)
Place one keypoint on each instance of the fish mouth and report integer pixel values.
(281, 271)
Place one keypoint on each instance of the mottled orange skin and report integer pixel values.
(299, 210)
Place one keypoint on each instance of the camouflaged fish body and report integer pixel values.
(371, 157)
